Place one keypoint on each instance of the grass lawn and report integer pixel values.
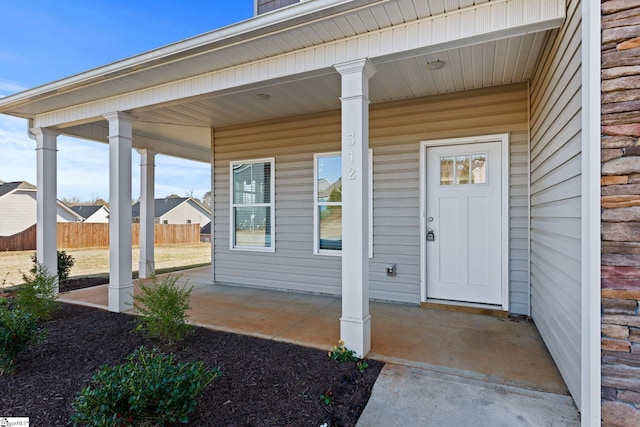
(96, 261)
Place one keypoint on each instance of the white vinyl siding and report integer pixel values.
(101, 216)
(64, 215)
(18, 212)
(519, 223)
(396, 130)
(555, 198)
(186, 211)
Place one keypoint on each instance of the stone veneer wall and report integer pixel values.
(620, 212)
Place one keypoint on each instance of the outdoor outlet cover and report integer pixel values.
(391, 269)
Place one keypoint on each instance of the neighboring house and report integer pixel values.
(466, 135)
(205, 233)
(92, 213)
(176, 210)
(18, 208)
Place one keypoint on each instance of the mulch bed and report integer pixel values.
(74, 283)
(264, 383)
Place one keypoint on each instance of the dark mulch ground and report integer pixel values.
(74, 283)
(264, 383)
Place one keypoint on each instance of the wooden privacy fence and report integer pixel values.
(24, 241)
(72, 235)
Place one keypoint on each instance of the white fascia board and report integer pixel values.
(241, 32)
(472, 25)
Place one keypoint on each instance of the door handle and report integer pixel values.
(430, 236)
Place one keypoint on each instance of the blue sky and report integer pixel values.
(42, 41)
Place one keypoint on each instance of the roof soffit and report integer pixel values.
(286, 45)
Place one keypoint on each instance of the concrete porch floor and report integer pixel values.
(481, 349)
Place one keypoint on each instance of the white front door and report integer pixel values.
(464, 223)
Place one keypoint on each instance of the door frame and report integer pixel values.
(503, 138)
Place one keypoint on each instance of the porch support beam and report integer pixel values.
(355, 323)
(46, 199)
(147, 266)
(120, 250)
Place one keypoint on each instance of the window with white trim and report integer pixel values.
(328, 203)
(327, 193)
(252, 205)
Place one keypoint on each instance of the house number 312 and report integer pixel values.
(351, 141)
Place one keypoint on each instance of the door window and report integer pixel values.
(463, 169)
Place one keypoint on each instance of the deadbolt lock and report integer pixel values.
(430, 236)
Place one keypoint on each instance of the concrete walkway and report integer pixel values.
(406, 396)
(441, 364)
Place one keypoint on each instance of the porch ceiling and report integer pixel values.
(188, 123)
(494, 63)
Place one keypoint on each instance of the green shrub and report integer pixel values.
(38, 294)
(342, 353)
(163, 306)
(65, 262)
(149, 389)
(18, 329)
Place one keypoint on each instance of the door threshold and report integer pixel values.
(465, 307)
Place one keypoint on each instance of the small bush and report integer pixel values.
(149, 389)
(38, 294)
(163, 306)
(18, 329)
(342, 353)
(65, 262)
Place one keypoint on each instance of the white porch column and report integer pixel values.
(47, 199)
(355, 323)
(147, 265)
(120, 271)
